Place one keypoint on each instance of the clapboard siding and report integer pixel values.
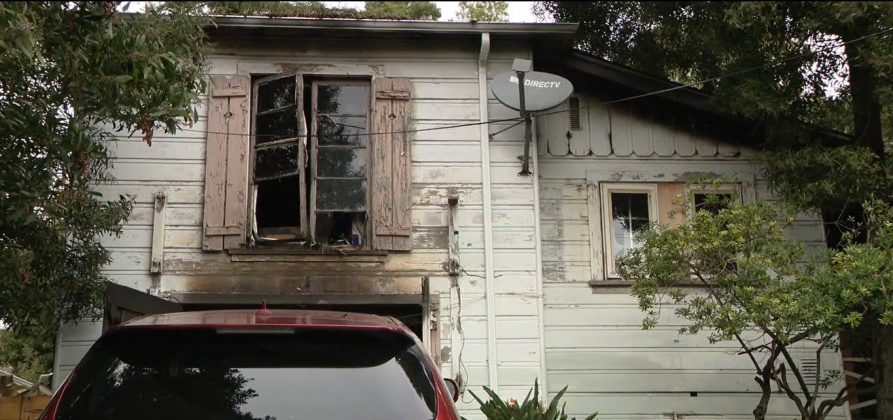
(75, 339)
(616, 130)
(446, 162)
(594, 341)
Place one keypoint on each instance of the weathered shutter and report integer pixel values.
(391, 163)
(226, 164)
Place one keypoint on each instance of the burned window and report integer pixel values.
(339, 192)
(278, 172)
(310, 183)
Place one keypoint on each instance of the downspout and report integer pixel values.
(490, 289)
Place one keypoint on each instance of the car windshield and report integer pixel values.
(304, 374)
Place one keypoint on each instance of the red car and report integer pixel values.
(245, 364)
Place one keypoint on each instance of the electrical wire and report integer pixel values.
(613, 101)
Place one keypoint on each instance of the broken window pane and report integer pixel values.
(341, 162)
(340, 228)
(278, 203)
(276, 162)
(340, 194)
(276, 126)
(276, 94)
(344, 99)
(337, 130)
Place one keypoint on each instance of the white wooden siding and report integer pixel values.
(593, 336)
(614, 130)
(74, 340)
(445, 162)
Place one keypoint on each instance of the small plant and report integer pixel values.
(529, 409)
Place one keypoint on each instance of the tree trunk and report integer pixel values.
(868, 132)
(759, 413)
(866, 108)
(883, 359)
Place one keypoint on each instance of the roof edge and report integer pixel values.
(382, 25)
(676, 92)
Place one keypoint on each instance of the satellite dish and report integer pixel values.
(541, 90)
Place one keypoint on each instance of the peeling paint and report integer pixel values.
(445, 353)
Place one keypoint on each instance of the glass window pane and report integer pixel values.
(349, 99)
(622, 238)
(335, 130)
(276, 162)
(276, 126)
(276, 94)
(341, 195)
(278, 203)
(629, 214)
(638, 205)
(341, 162)
(197, 373)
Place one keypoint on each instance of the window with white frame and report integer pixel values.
(627, 210)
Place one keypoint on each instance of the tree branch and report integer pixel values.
(818, 371)
(744, 346)
(782, 381)
(826, 406)
(793, 365)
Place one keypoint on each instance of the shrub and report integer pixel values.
(529, 409)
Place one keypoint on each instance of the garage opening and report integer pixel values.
(417, 312)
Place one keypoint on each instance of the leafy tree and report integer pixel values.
(281, 8)
(415, 10)
(759, 291)
(483, 11)
(795, 45)
(28, 355)
(823, 63)
(68, 71)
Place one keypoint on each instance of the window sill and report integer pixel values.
(295, 254)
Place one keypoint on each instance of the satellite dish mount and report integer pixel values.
(536, 91)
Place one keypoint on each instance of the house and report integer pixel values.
(354, 165)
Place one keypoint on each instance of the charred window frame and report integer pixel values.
(339, 194)
(309, 161)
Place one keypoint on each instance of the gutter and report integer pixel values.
(255, 22)
(489, 272)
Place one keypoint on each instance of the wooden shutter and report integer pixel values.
(391, 163)
(226, 164)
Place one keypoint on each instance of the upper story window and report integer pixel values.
(308, 160)
(310, 187)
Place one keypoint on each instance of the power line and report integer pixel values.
(613, 101)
